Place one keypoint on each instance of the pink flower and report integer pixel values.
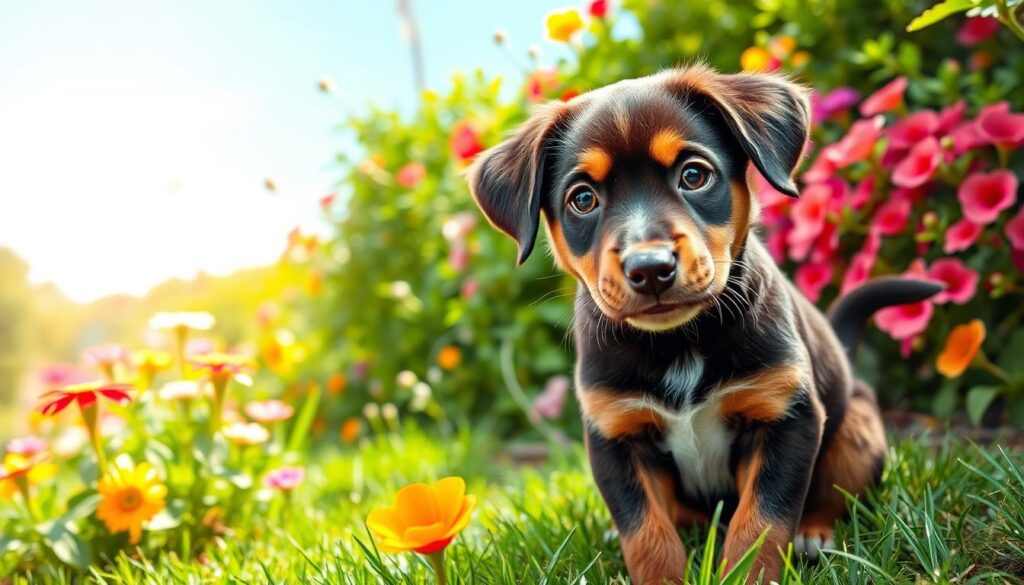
(976, 29)
(327, 202)
(891, 218)
(411, 174)
(885, 99)
(27, 446)
(1001, 126)
(917, 168)
(961, 236)
(950, 116)
(549, 403)
(961, 282)
(809, 213)
(858, 143)
(777, 245)
(983, 196)
(863, 193)
(913, 129)
(1015, 230)
(284, 478)
(269, 411)
(863, 262)
(105, 356)
(812, 277)
(199, 346)
(826, 244)
(469, 288)
(56, 375)
(458, 226)
(834, 102)
(904, 321)
(966, 136)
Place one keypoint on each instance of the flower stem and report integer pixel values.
(90, 414)
(984, 363)
(437, 562)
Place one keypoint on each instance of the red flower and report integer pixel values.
(891, 218)
(885, 99)
(569, 94)
(809, 214)
(860, 266)
(961, 236)
(411, 174)
(919, 165)
(863, 193)
(858, 143)
(913, 129)
(812, 277)
(464, 141)
(84, 394)
(598, 8)
(976, 29)
(1001, 126)
(904, 321)
(983, 196)
(539, 83)
(1015, 230)
(961, 282)
(326, 202)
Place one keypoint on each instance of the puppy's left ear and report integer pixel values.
(769, 116)
(507, 180)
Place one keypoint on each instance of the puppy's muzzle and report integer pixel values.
(650, 271)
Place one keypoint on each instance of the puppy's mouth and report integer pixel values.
(661, 308)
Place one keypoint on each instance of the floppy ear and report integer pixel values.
(507, 180)
(768, 115)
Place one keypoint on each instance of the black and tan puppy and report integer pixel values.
(703, 375)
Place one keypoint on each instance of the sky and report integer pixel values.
(135, 136)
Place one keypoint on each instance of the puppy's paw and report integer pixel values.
(811, 539)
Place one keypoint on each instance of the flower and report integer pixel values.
(132, 496)
(961, 282)
(983, 196)
(809, 214)
(562, 25)
(464, 141)
(1015, 230)
(424, 519)
(148, 362)
(180, 390)
(913, 129)
(961, 348)
(549, 403)
(539, 83)
(18, 472)
(758, 60)
(834, 102)
(27, 446)
(458, 226)
(269, 411)
(336, 383)
(84, 394)
(224, 366)
(106, 357)
(598, 8)
(284, 478)
(350, 429)
(449, 357)
(904, 321)
(891, 217)
(1001, 126)
(976, 29)
(889, 97)
(961, 236)
(919, 165)
(856, 145)
(411, 174)
(812, 277)
(56, 375)
(200, 321)
(327, 202)
(246, 434)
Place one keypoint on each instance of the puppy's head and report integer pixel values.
(642, 185)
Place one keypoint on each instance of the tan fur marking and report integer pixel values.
(720, 244)
(741, 208)
(613, 415)
(748, 523)
(622, 121)
(665, 147)
(654, 552)
(596, 162)
(764, 396)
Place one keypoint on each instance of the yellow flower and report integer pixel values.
(563, 25)
(756, 59)
(962, 347)
(151, 360)
(28, 470)
(449, 357)
(132, 496)
(425, 518)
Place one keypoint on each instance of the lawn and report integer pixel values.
(947, 514)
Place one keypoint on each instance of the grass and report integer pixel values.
(951, 514)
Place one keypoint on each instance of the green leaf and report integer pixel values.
(938, 12)
(303, 422)
(1009, 358)
(60, 537)
(945, 400)
(978, 400)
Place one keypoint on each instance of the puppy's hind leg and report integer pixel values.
(853, 461)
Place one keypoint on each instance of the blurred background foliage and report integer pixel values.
(411, 298)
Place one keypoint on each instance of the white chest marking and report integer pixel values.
(700, 441)
(682, 376)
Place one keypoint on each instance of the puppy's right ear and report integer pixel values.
(507, 180)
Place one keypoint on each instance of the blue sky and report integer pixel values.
(135, 136)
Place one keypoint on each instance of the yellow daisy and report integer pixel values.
(132, 496)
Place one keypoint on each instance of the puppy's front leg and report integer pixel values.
(772, 481)
(635, 484)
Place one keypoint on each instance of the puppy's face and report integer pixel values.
(642, 185)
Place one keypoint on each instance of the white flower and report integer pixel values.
(180, 390)
(400, 289)
(246, 434)
(406, 378)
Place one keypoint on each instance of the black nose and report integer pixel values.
(650, 271)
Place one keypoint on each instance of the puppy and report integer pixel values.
(702, 374)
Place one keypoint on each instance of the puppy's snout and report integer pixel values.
(650, 271)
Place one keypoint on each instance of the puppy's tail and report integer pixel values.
(850, 313)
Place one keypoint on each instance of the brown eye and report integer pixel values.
(582, 199)
(694, 176)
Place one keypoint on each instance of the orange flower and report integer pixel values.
(425, 518)
(336, 384)
(962, 347)
(758, 60)
(449, 357)
(563, 25)
(132, 496)
(350, 429)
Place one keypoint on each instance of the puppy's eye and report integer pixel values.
(582, 199)
(695, 174)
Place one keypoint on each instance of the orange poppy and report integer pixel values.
(425, 518)
(962, 347)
